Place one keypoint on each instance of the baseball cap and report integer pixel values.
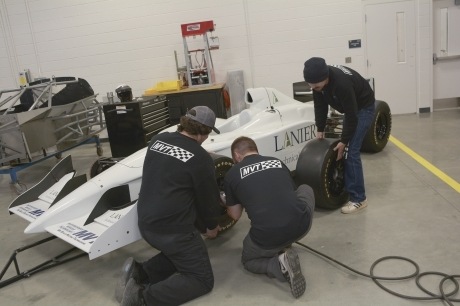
(203, 115)
(315, 70)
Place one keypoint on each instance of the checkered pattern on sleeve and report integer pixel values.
(180, 154)
(270, 164)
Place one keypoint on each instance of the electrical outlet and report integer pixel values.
(348, 60)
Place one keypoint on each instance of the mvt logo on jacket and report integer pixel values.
(344, 69)
(268, 164)
(170, 150)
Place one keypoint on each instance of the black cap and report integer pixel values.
(315, 70)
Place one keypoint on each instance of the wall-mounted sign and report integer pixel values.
(355, 43)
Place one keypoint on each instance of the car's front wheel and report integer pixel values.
(221, 164)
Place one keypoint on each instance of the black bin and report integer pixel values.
(131, 125)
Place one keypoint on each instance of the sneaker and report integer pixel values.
(352, 207)
(130, 269)
(132, 296)
(290, 266)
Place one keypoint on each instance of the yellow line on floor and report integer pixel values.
(441, 175)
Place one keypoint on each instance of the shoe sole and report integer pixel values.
(132, 294)
(126, 271)
(364, 205)
(297, 280)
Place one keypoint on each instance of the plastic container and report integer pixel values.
(150, 92)
(172, 85)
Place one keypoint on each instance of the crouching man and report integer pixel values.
(178, 185)
(280, 213)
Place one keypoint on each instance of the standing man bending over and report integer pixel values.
(348, 92)
(280, 214)
(178, 184)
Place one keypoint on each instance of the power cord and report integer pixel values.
(443, 296)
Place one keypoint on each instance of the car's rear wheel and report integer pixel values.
(222, 164)
(318, 168)
(379, 132)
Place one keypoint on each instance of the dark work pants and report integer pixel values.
(265, 261)
(181, 272)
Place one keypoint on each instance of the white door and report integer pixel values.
(446, 42)
(390, 42)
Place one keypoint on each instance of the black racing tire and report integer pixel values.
(318, 168)
(221, 164)
(379, 132)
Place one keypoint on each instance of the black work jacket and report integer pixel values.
(347, 92)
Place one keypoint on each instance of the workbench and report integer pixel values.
(184, 99)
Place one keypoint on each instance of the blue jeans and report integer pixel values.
(354, 177)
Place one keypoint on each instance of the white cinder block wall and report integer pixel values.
(110, 42)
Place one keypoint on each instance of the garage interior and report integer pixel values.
(412, 213)
(413, 185)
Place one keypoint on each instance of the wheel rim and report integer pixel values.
(222, 164)
(381, 127)
(335, 179)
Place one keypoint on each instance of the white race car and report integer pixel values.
(100, 215)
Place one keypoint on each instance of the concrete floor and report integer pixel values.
(411, 213)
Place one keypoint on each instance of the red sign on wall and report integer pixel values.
(197, 28)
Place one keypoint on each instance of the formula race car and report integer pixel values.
(100, 215)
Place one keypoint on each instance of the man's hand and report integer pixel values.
(211, 234)
(319, 135)
(340, 148)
